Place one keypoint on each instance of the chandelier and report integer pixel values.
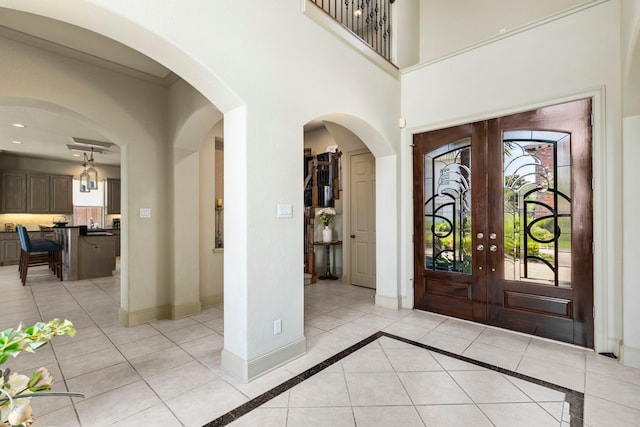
(89, 176)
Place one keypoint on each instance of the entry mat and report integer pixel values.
(485, 393)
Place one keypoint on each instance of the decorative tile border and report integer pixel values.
(573, 398)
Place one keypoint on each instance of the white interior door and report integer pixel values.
(363, 220)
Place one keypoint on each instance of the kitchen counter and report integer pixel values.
(86, 256)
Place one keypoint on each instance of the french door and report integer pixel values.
(503, 222)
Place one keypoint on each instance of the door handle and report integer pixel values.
(353, 236)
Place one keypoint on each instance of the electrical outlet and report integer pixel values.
(277, 327)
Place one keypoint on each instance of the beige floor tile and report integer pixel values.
(326, 322)
(164, 361)
(555, 409)
(424, 319)
(367, 360)
(263, 384)
(560, 353)
(621, 392)
(412, 359)
(263, 417)
(153, 344)
(612, 368)
(205, 403)
(453, 364)
(62, 417)
(376, 389)
(207, 345)
(536, 392)
(458, 328)
(209, 314)
(345, 313)
(433, 388)
(320, 417)
(121, 335)
(82, 347)
(407, 330)
(321, 390)
(76, 366)
(561, 375)
(311, 331)
(443, 341)
(375, 321)
(386, 342)
(170, 325)
(185, 378)
(518, 414)
(116, 405)
(506, 340)
(189, 333)
(453, 416)
(493, 355)
(389, 416)
(103, 380)
(599, 412)
(353, 331)
(488, 387)
(328, 344)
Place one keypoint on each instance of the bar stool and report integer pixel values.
(38, 252)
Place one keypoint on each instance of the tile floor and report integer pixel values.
(167, 373)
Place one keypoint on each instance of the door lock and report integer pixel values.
(493, 248)
(480, 247)
(353, 236)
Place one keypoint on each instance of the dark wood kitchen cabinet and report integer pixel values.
(61, 196)
(113, 196)
(38, 193)
(14, 192)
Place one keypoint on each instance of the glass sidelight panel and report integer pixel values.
(537, 207)
(447, 208)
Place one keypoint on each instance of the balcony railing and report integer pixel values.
(369, 20)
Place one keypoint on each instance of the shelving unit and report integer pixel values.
(321, 190)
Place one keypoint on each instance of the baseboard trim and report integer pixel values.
(133, 318)
(630, 356)
(246, 371)
(211, 300)
(389, 302)
(185, 310)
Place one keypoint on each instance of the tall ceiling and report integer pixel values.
(49, 131)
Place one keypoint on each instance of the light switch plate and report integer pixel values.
(285, 211)
(145, 212)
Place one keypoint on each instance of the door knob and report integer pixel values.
(492, 236)
(353, 236)
(480, 247)
(493, 248)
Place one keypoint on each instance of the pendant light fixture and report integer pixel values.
(89, 175)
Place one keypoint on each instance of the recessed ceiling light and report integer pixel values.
(17, 125)
(16, 142)
(76, 155)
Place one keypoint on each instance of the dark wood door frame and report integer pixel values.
(485, 295)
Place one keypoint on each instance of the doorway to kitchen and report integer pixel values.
(504, 222)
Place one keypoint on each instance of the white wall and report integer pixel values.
(573, 57)
(631, 286)
(447, 27)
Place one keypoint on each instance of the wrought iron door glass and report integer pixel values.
(447, 208)
(537, 207)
